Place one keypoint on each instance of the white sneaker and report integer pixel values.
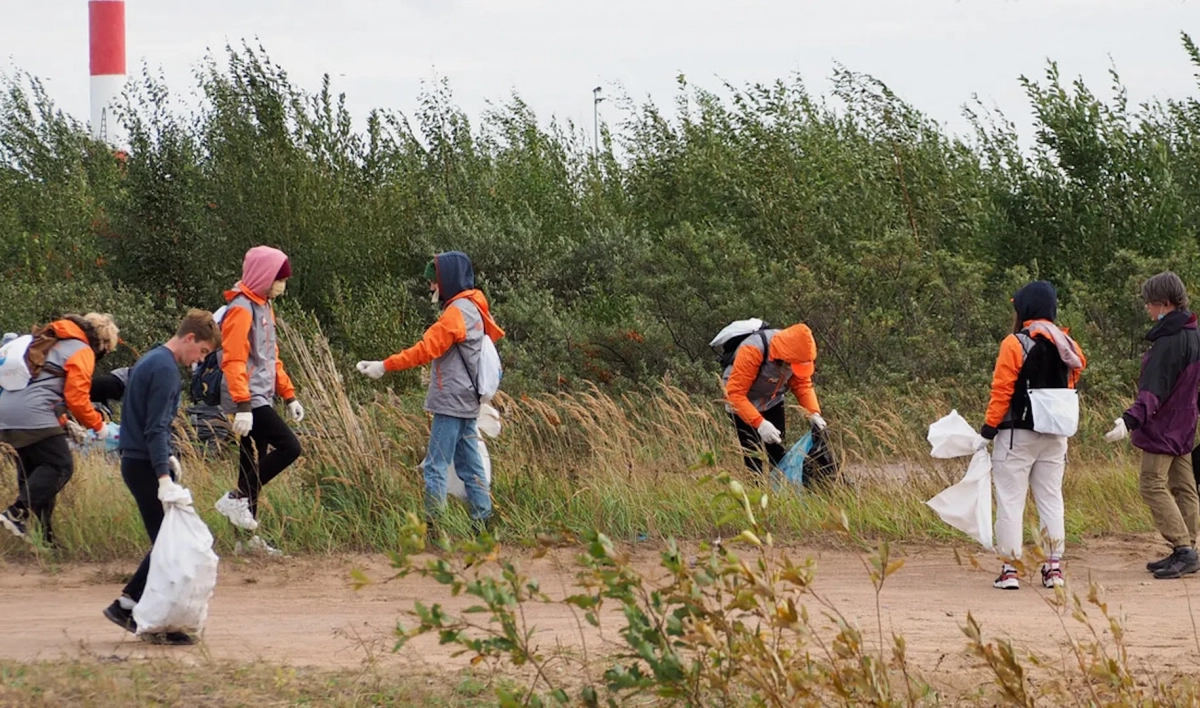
(237, 511)
(256, 544)
(1008, 579)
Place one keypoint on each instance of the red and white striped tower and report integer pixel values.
(106, 31)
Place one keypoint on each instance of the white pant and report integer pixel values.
(1021, 459)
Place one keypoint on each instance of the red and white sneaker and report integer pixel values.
(1008, 579)
(1052, 576)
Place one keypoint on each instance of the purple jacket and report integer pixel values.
(1163, 418)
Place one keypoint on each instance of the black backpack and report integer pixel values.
(207, 380)
(727, 352)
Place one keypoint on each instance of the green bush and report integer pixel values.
(898, 243)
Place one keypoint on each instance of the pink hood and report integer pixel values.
(260, 268)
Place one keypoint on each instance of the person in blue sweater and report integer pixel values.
(147, 466)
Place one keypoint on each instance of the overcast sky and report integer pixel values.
(934, 53)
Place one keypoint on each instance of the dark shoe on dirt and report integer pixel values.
(173, 639)
(1154, 566)
(1185, 562)
(121, 617)
(481, 526)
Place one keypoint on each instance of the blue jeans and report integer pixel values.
(455, 440)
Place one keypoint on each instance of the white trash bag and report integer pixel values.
(455, 486)
(183, 574)
(967, 505)
(488, 421)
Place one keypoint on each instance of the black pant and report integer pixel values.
(43, 469)
(142, 480)
(753, 444)
(255, 470)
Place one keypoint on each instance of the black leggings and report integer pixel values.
(752, 444)
(142, 480)
(255, 470)
(43, 469)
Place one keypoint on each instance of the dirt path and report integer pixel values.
(303, 611)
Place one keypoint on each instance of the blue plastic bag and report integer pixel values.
(792, 464)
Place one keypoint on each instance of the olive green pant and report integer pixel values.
(1169, 488)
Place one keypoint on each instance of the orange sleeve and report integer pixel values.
(801, 384)
(745, 370)
(1074, 376)
(77, 389)
(450, 329)
(283, 383)
(235, 342)
(1004, 379)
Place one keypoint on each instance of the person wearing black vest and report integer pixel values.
(1037, 355)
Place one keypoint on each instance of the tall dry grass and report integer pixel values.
(628, 465)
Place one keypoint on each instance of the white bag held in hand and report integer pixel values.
(488, 421)
(1055, 411)
(967, 506)
(183, 574)
(952, 437)
(455, 486)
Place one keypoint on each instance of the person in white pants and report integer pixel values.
(1037, 355)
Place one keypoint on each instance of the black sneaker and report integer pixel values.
(174, 639)
(1155, 566)
(1184, 563)
(15, 522)
(121, 617)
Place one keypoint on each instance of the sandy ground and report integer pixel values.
(303, 611)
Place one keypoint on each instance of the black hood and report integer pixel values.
(454, 274)
(1173, 322)
(1036, 301)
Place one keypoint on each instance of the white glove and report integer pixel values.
(769, 433)
(243, 423)
(983, 443)
(1119, 432)
(818, 421)
(296, 410)
(374, 369)
(76, 432)
(170, 492)
(175, 467)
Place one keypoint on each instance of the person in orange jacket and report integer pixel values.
(33, 420)
(253, 377)
(452, 345)
(765, 367)
(1037, 355)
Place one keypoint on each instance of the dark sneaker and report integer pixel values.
(1184, 563)
(15, 522)
(173, 639)
(1154, 566)
(121, 617)
(481, 526)
(1052, 576)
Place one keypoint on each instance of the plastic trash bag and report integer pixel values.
(488, 421)
(792, 464)
(455, 486)
(967, 505)
(183, 575)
